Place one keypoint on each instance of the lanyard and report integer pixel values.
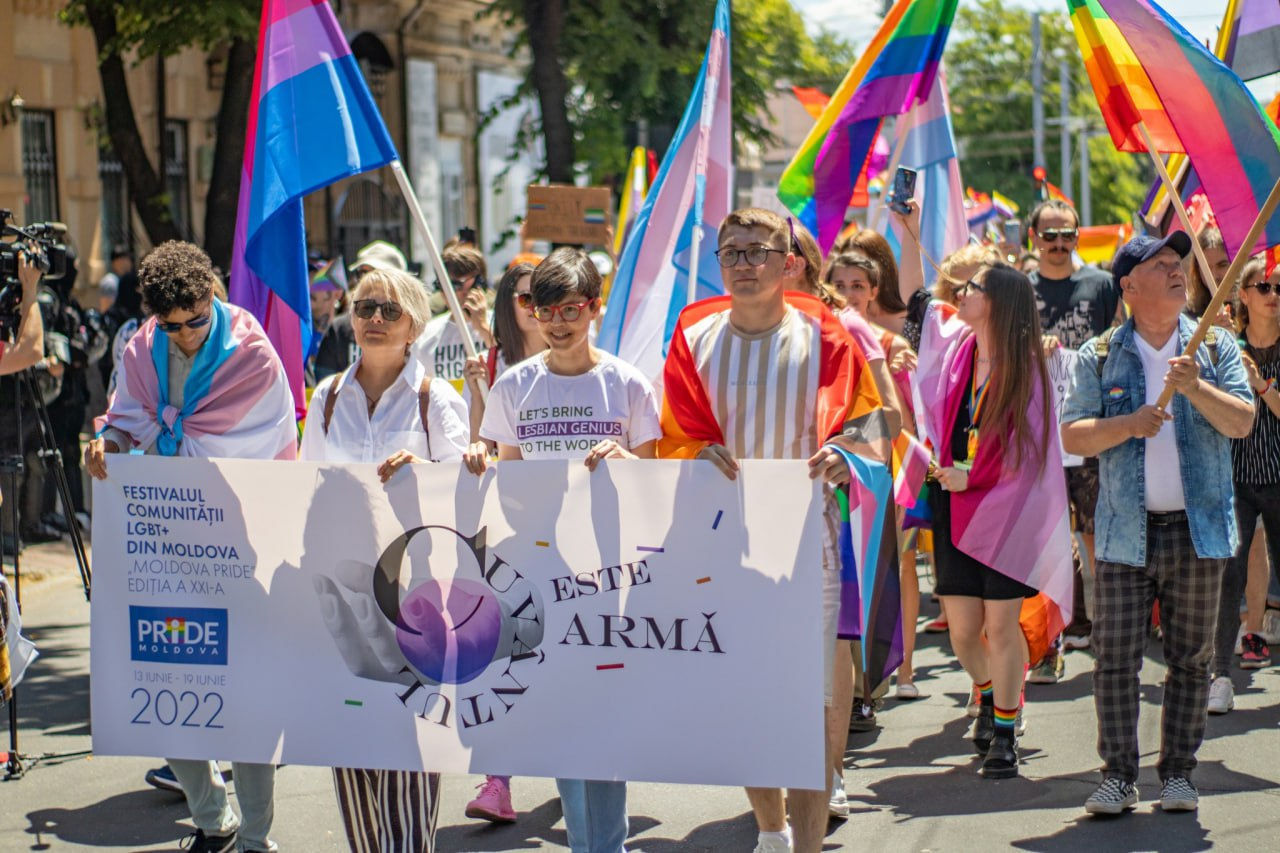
(977, 396)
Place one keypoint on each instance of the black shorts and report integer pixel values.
(956, 573)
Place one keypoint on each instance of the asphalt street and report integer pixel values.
(912, 783)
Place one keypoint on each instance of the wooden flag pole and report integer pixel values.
(1228, 282)
(895, 160)
(437, 263)
(1175, 199)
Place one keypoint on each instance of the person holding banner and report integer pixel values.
(385, 408)
(810, 386)
(201, 379)
(611, 412)
(997, 496)
(1165, 525)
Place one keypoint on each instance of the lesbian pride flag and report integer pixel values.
(312, 122)
(693, 190)
(1147, 69)
(894, 73)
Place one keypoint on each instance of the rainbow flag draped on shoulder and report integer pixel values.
(1147, 70)
(312, 122)
(895, 72)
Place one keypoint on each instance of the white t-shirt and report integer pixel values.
(396, 423)
(549, 416)
(1161, 468)
(440, 348)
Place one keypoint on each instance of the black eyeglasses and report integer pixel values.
(1050, 235)
(757, 256)
(194, 323)
(461, 284)
(365, 308)
(1264, 288)
(970, 285)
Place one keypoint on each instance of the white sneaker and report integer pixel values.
(1270, 626)
(1222, 695)
(772, 843)
(1239, 647)
(838, 805)
(974, 708)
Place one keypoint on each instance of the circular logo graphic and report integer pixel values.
(449, 630)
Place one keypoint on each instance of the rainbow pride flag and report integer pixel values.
(894, 73)
(312, 122)
(1147, 69)
(910, 464)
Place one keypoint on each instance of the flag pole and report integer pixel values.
(1228, 282)
(1175, 199)
(715, 57)
(899, 146)
(437, 262)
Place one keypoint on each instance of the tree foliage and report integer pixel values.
(629, 62)
(989, 71)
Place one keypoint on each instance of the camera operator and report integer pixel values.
(27, 347)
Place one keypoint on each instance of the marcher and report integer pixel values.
(200, 379)
(337, 349)
(1255, 474)
(621, 421)
(440, 346)
(987, 403)
(385, 408)
(1165, 523)
(796, 345)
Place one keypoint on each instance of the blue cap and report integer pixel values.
(1143, 248)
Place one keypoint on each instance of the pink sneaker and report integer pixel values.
(494, 801)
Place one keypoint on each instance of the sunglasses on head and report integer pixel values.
(193, 323)
(1264, 288)
(1049, 235)
(365, 308)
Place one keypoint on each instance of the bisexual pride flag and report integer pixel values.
(312, 122)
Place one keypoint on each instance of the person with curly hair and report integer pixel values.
(201, 379)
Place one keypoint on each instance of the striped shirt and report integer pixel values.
(763, 388)
(1256, 459)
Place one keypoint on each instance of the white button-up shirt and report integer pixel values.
(396, 423)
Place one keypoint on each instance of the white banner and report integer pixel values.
(652, 621)
(1061, 365)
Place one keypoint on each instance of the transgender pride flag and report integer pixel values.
(930, 149)
(312, 121)
(693, 190)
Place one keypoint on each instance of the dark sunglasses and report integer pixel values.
(365, 308)
(1264, 288)
(1049, 235)
(480, 282)
(971, 285)
(194, 323)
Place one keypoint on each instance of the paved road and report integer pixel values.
(913, 782)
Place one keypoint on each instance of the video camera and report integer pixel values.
(42, 243)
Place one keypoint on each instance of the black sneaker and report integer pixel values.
(984, 729)
(163, 778)
(1113, 796)
(1002, 758)
(863, 718)
(198, 842)
(1254, 652)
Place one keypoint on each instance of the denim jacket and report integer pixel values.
(1204, 454)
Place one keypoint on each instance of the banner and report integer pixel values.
(642, 622)
(1061, 365)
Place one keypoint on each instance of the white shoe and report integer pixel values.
(771, 843)
(1020, 724)
(974, 708)
(838, 805)
(1270, 627)
(1239, 647)
(1222, 695)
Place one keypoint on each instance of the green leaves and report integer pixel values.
(150, 27)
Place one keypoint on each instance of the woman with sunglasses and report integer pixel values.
(998, 498)
(610, 411)
(386, 408)
(1255, 469)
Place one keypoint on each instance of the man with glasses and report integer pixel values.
(440, 346)
(1166, 523)
(1076, 304)
(200, 379)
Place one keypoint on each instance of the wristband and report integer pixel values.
(1271, 383)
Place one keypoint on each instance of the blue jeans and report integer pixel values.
(595, 814)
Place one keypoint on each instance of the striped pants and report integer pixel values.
(388, 811)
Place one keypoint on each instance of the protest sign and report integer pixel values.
(543, 620)
(565, 214)
(1061, 364)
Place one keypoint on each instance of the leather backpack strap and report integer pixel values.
(332, 400)
(424, 405)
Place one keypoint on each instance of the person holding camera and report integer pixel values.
(27, 347)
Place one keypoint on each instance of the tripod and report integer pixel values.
(11, 468)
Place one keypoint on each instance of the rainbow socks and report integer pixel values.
(1004, 720)
(984, 692)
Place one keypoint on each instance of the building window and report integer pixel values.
(177, 175)
(366, 212)
(117, 226)
(39, 166)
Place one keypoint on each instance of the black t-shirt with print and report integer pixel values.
(1078, 308)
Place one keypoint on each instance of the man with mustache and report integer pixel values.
(1075, 305)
